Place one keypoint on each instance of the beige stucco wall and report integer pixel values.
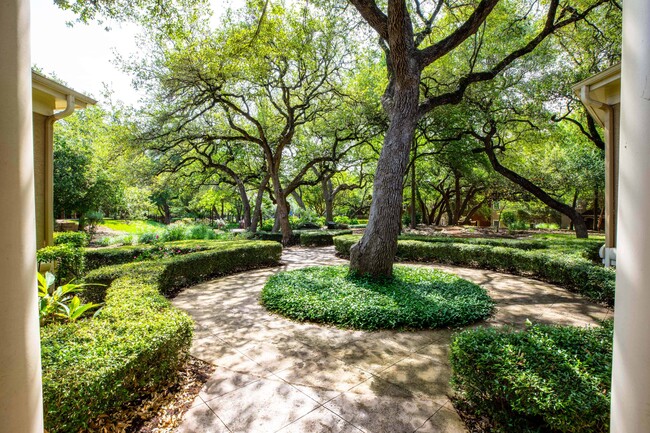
(39, 176)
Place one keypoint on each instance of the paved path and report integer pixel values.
(275, 375)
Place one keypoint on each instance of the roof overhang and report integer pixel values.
(603, 88)
(49, 97)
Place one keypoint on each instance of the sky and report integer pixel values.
(82, 55)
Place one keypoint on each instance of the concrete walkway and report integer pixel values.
(275, 375)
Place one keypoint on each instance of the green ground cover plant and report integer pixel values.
(566, 268)
(76, 239)
(542, 379)
(138, 340)
(415, 298)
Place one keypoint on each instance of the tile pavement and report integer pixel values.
(275, 375)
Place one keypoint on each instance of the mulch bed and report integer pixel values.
(159, 412)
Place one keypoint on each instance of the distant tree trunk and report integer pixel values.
(246, 204)
(375, 252)
(257, 213)
(578, 221)
(298, 199)
(595, 224)
(575, 203)
(413, 190)
(328, 198)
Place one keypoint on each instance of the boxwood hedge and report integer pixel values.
(321, 238)
(304, 237)
(99, 257)
(137, 341)
(545, 378)
(571, 271)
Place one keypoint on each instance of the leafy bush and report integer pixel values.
(321, 237)
(547, 226)
(546, 378)
(518, 225)
(148, 238)
(507, 218)
(570, 271)
(415, 298)
(76, 239)
(59, 303)
(342, 219)
(69, 260)
(200, 231)
(174, 232)
(267, 225)
(137, 342)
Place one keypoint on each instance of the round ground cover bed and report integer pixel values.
(415, 298)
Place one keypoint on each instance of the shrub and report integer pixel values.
(69, 260)
(342, 219)
(137, 342)
(570, 271)
(76, 239)
(200, 231)
(148, 238)
(96, 258)
(59, 303)
(200, 261)
(415, 298)
(267, 225)
(495, 242)
(546, 378)
(321, 238)
(174, 232)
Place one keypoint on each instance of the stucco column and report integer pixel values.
(631, 369)
(21, 408)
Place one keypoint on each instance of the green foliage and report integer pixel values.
(59, 303)
(342, 219)
(96, 258)
(193, 261)
(267, 225)
(414, 298)
(571, 271)
(321, 238)
(130, 349)
(76, 239)
(510, 243)
(138, 341)
(69, 260)
(545, 378)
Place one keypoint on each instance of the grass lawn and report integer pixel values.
(134, 227)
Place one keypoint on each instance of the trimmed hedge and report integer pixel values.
(183, 270)
(76, 239)
(570, 271)
(546, 378)
(99, 257)
(312, 237)
(416, 298)
(70, 262)
(138, 339)
(521, 244)
(321, 238)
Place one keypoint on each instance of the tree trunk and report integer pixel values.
(576, 218)
(257, 213)
(328, 198)
(595, 224)
(575, 203)
(413, 191)
(245, 203)
(282, 210)
(298, 199)
(375, 252)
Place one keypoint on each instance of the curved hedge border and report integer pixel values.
(522, 244)
(545, 378)
(138, 340)
(416, 298)
(99, 257)
(570, 271)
